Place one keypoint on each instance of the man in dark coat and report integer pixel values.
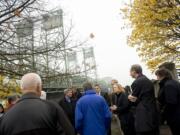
(103, 94)
(169, 99)
(68, 105)
(33, 116)
(146, 120)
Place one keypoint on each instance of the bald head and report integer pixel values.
(31, 82)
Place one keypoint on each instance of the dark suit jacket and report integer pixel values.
(33, 116)
(121, 101)
(69, 109)
(125, 115)
(106, 97)
(146, 118)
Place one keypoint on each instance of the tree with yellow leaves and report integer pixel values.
(155, 30)
(8, 87)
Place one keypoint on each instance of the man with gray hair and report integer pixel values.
(33, 116)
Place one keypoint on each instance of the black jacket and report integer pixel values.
(121, 101)
(33, 116)
(146, 118)
(169, 98)
(106, 97)
(123, 112)
(69, 109)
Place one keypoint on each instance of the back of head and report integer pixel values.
(168, 65)
(127, 88)
(31, 82)
(87, 86)
(164, 73)
(137, 68)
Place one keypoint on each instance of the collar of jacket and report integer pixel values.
(163, 81)
(88, 92)
(29, 96)
(118, 94)
(140, 75)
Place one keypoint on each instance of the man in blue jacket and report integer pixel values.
(92, 116)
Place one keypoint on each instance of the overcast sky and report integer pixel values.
(102, 17)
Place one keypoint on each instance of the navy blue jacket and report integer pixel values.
(92, 116)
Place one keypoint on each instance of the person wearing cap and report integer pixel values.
(68, 105)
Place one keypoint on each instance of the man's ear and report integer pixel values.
(39, 89)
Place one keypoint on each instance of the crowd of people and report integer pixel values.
(135, 107)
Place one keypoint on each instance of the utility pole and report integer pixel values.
(33, 58)
(19, 45)
(47, 54)
(95, 68)
(47, 58)
(65, 54)
(84, 61)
